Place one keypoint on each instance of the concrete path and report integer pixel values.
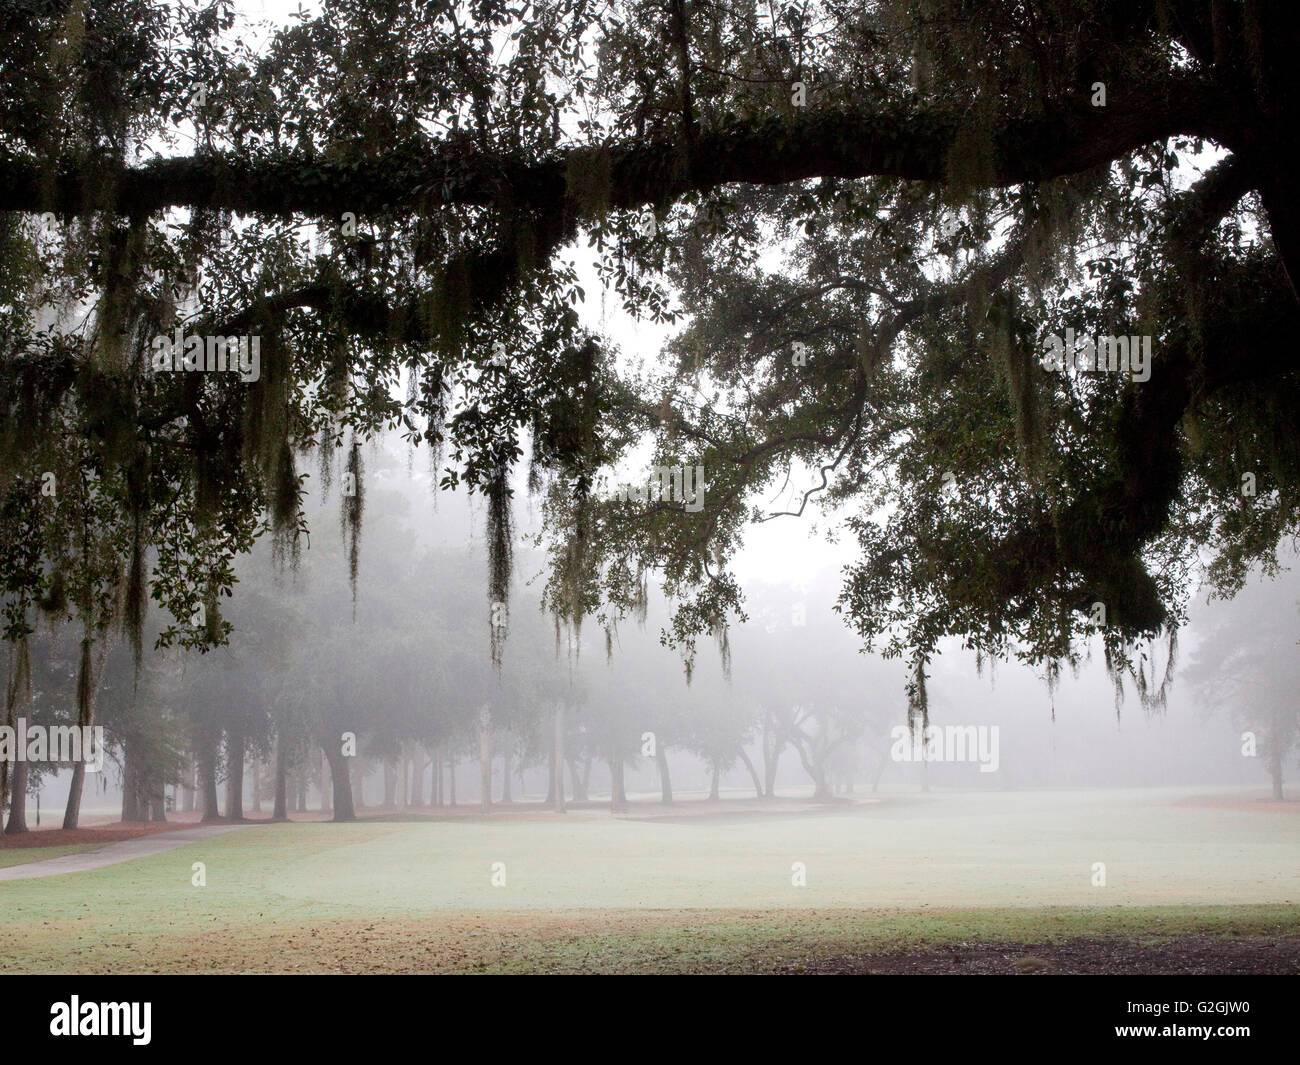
(115, 853)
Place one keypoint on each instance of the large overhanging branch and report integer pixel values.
(854, 143)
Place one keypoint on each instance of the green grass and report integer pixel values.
(589, 893)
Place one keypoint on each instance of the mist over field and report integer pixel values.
(792, 650)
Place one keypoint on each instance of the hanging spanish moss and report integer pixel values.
(641, 597)
(569, 594)
(1015, 363)
(575, 644)
(268, 403)
(1053, 677)
(122, 248)
(500, 535)
(1114, 671)
(352, 504)
(335, 374)
(536, 472)
(85, 678)
(434, 393)
(918, 699)
(286, 508)
(325, 459)
(721, 634)
(136, 590)
(1153, 697)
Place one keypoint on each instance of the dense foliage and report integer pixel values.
(869, 218)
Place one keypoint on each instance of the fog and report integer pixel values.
(422, 564)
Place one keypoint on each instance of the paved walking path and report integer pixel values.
(115, 853)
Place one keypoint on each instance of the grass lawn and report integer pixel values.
(703, 889)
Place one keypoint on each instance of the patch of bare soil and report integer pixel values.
(1190, 955)
(112, 833)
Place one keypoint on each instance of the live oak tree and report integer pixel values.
(868, 216)
(1245, 666)
(894, 345)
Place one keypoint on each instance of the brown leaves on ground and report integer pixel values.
(1191, 955)
(114, 833)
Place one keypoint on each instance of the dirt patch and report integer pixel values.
(662, 941)
(1193, 955)
(114, 833)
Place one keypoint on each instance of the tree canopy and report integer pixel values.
(868, 218)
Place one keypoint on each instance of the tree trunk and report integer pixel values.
(417, 778)
(92, 668)
(157, 800)
(280, 812)
(187, 786)
(451, 781)
(325, 774)
(206, 756)
(505, 773)
(235, 775)
(880, 772)
(72, 812)
(1284, 225)
(17, 799)
(557, 759)
(713, 786)
(257, 785)
(132, 808)
(771, 761)
(617, 792)
(16, 690)
(578, 779)
(550, 776)
(821, 787)
(338, 767)
(753, 773)
(485, 760)
(1275, 762)
(814, 757)
(665, 783)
